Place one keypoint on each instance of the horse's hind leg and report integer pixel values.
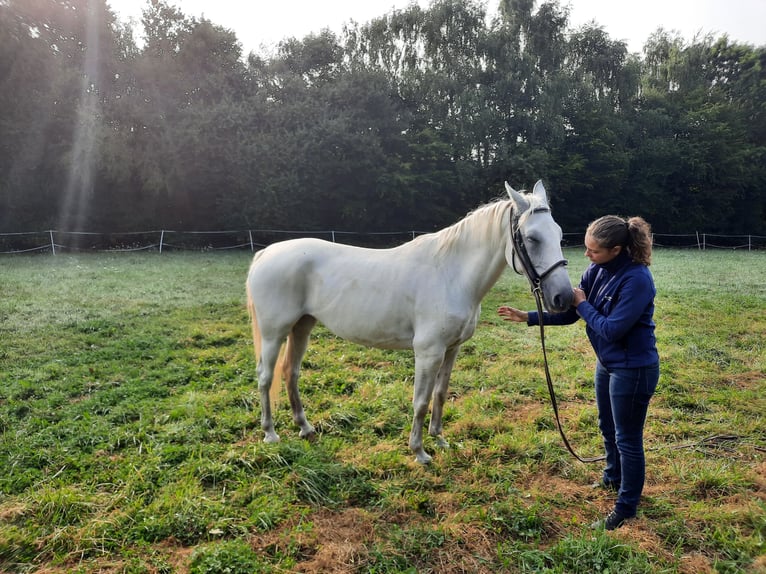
(297, 342)
(265, 371)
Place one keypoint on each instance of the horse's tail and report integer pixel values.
(276, 385)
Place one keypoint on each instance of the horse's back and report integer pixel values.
(282, 262)
(364, 295)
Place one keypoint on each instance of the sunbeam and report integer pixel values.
(79, 185)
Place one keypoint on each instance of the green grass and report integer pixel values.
(129, 438)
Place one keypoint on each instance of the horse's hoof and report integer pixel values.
(310, 436)
(423, 458)
(271, 437)
(440, 442)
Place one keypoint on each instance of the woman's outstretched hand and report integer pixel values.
(511, 314)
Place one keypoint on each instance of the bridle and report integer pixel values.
(535, 282)
(520, 251)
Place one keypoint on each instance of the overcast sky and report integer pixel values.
(265, 22)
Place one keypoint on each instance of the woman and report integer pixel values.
(615, 298)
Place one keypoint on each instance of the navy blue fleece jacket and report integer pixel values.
(618, 313)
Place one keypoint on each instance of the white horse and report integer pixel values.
(423, 295)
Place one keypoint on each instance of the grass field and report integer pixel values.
(129, 437)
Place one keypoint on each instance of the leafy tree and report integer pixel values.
(337, 132)
(406, 121)
(58, 56)
(711, 183)
(591, 166)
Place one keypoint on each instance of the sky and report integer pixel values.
(262, 24)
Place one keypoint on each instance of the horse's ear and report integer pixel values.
(539, 190)
(519, 201)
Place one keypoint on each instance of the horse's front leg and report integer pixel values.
(426, 367)
(440, 396)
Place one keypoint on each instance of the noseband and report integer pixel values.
(520, 252)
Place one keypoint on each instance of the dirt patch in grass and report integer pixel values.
(178, 557)
(334, 544)
(745, 381)
(340, 543)
(467, 549)
(760, 479)
(565, 489)
(12, 512)
(639, 533)
(695, 564)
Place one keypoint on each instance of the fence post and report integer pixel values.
(53, 245)
(250, 235)
(162, 238)
(333, 236)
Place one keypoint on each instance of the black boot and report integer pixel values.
(612, 521)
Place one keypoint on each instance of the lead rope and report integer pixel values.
(551, 392)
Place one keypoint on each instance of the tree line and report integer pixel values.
(403, 122)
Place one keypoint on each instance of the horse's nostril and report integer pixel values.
(561, 302)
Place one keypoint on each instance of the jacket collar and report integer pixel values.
(618, 262)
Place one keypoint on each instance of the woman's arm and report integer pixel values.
(630, 302)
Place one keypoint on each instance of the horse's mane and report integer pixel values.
(480, 224)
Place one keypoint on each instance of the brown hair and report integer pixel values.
(633, 233)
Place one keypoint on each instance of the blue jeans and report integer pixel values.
(622, 397)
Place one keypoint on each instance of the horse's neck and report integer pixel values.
(487, 272)
(478, 253)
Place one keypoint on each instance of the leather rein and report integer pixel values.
(535, 282)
